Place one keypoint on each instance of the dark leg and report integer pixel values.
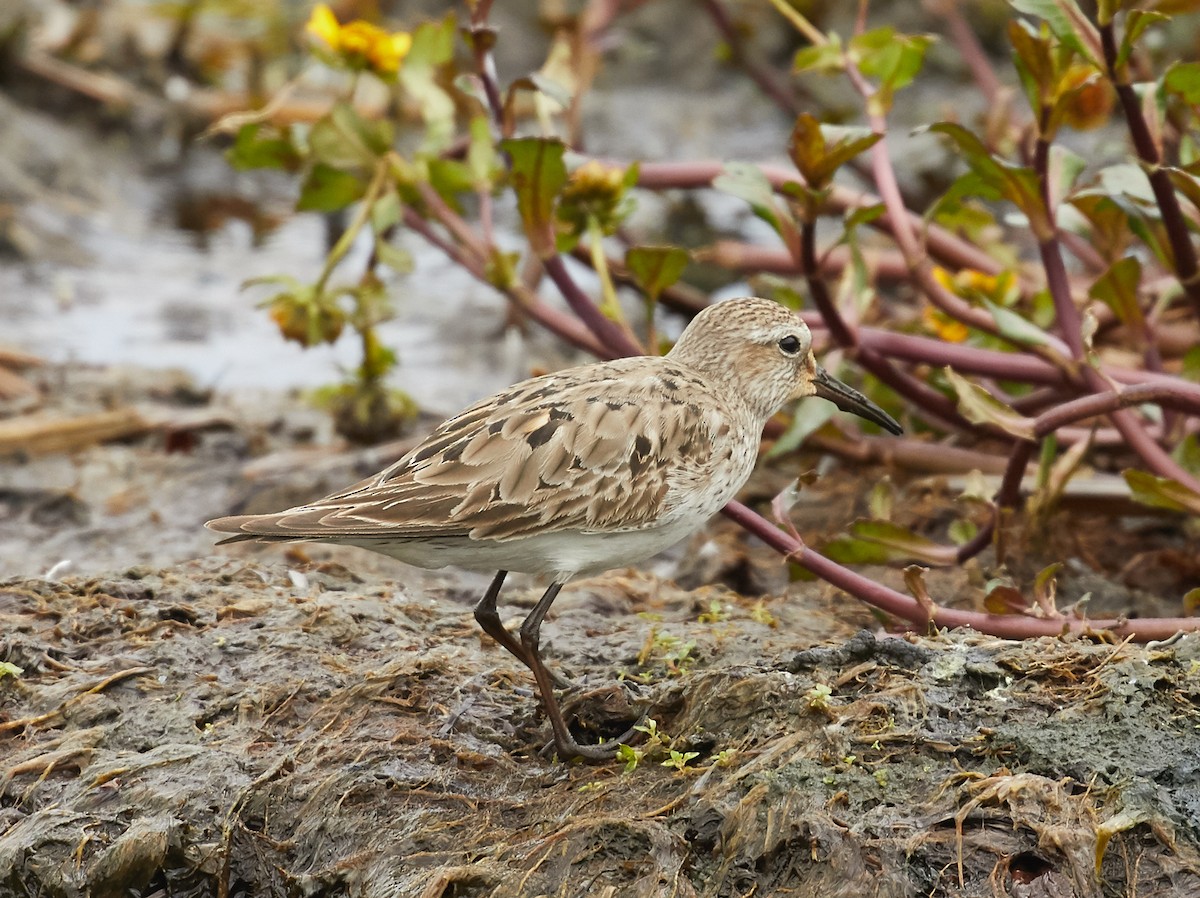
(489, 619)
(530, 637)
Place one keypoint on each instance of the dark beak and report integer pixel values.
(850, 400)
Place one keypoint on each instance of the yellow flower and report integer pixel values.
(359, 44)
(974, 281)
(944, 326)
(323, 25)
(594, 191)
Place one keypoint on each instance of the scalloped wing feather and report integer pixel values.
(604, 451)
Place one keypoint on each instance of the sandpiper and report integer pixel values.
(580, 471)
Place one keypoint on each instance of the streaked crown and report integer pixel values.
(757, 348)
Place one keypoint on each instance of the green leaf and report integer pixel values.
(263, 146)
(501, 269)
(1190, 602)
(343, 139)
(1069, 25)
(846, 550)
(432, 48)
(326, 189)
(450, 178)
(1117, 288)
(1136, 23)
(826, 58)
(1162, 492)
(1017, 184)
(1186, 183)
(1109, 223)
(1183, 80)
(962, 531)
(1014, 326)
(818, 150)
(1034, 59)
(863, 215)
(1064, 167)
(808, 419)
(538, 175)
(394, 257)
(747, 182)
(892, 59)
(655, 268)
(980, 407)
(1191, 364)
(482, 161)
(880, 542)
(1187, 454)
(386, 211)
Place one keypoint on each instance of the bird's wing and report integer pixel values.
(596, 450)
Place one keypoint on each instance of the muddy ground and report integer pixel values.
(327, 722)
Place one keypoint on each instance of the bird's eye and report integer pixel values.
(790, 344)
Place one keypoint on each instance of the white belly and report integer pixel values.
(560, 555)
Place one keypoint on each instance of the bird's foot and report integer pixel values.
(606, 705)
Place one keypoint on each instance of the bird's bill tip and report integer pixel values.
(850, 400)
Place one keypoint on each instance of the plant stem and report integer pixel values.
(1008, 626)
(1183, 251)
(361, 215)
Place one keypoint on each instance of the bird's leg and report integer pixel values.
(489, 620)
(530, 637)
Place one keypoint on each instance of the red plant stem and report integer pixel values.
(971, 51)
(1008, 626)
(1183, 251)
(912, 454)
(1007, 496)
(904, 233)
(838, 328)
(766, 79)
(608, 332)
(1177, 396)
(1065, 312)
(1130, 426)
(485, 63)
(566, 327)
(949, 249)
(927, 398)
(963, 358)
(885, 265)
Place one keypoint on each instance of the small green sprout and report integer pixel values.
(717, 612)
(631, 756)
(8, 669)
(760, 615)
(818, 697)
(653, 734)
(679, 759)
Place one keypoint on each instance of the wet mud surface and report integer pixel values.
(240, 727)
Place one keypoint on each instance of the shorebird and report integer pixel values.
(580, 471)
